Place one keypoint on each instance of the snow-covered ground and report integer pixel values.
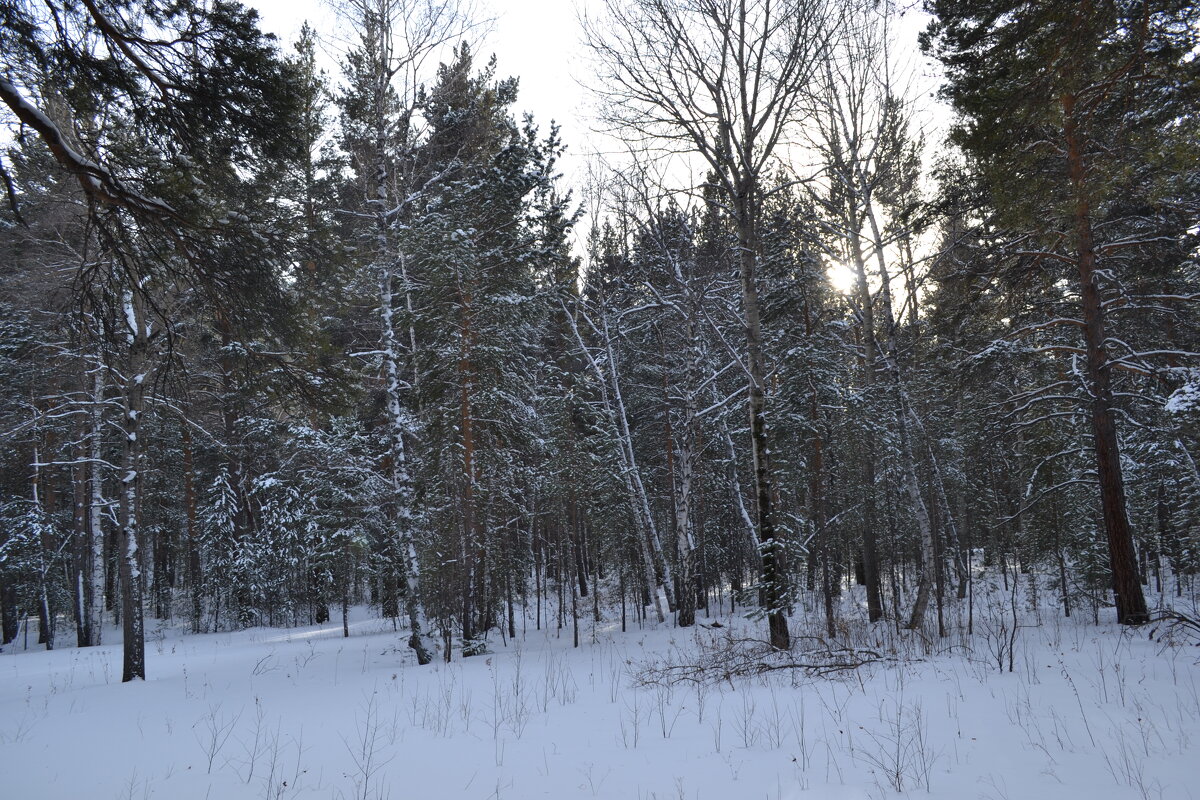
(1087, 712)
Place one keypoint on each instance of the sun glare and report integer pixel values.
(841, 278)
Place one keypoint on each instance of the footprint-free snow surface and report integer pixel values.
(1087, 712)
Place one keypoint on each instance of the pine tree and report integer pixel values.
(1067, 109)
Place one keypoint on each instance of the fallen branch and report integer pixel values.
(1174, 627)
(726, 657)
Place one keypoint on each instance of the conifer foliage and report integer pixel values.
(276, 342)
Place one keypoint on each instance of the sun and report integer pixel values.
(840, 277)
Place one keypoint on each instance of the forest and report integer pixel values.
(279, 340)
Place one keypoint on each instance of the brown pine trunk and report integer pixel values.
(1131, 603)
(194, 579)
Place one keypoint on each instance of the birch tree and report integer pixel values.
(726, 80)
(394, 43)
(205, 96)
(864, 140)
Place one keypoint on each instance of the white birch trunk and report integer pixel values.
(908, 463)
(736, 490)
(94, 584)
(643, 499)
(688, 456)
(615, 411)
(137, 342)
(401, 479)
(43, 565)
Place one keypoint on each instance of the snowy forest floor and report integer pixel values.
(1087, 712)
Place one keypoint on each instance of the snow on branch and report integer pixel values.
(96, 181)
(1187, 397)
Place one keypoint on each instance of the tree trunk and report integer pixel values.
(577, 544)
(195, 578)
(1131, 603)
(45, 546)
(134, 389)
(402, 494)
(816, 494)
(735, 486)
(870, 554)
(661, 567)
(685, 521)
(10, 622)
(80, 552)
(94, 605)
(609, 384)
(901, 410)
(471, 538)
(773, 595)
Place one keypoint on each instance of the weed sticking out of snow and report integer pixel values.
(1020, 709)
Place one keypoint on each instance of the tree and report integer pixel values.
(871, 166)
(724, 79)
(595, 325)
(1068, 109)
(381, 134)
(202, 97)
(476, 246)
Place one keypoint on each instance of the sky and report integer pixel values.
(535, 40)
(539, 42)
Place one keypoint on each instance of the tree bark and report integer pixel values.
(684, 506)
(134, 390)
(401, 480)
(900, 405)
(472, 538)
(9, 621)
(94, 605)
(78, 569)
(870, 553)
(1131, 603)
(773, 593)
(45, 546)
(195, 577)
(614, 406)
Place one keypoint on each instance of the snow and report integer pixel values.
(1187, 397)
(1089, 711)
(131, 320)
